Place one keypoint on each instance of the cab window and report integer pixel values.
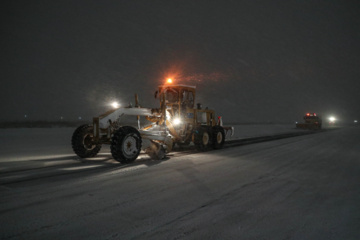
(187, 99)
(171, 95)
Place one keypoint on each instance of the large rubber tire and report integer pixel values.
(202, 139)
(126, 144)
(218, 135)
(82, 142)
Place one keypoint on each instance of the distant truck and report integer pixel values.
(312, 121)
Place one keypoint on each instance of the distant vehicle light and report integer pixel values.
(332, 119)
(169, 80)
(115, 104)
(355, 121)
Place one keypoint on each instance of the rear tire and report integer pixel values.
(202, 139)
(218, 137)
(82, 142)
(126, 144)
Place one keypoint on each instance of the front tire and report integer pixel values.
(126, 144)
(82, 142)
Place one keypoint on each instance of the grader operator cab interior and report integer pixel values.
(177, 121)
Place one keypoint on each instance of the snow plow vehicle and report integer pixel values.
(177, 121)
(312, 122)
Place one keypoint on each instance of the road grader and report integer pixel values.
(177, 121)
(312, 121)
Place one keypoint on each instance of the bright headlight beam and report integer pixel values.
(115, 104)
(176, 121)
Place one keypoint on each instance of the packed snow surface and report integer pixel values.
(304, 187)
(21, 144)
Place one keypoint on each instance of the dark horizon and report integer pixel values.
(252, 61)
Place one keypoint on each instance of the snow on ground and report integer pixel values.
(256, 130)
(22, 144)
(304, 187)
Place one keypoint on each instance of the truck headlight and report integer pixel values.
(115, 104)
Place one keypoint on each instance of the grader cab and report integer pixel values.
(177, 121)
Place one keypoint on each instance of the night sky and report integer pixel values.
(252, 61)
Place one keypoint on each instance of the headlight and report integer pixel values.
(115, 104)
(176, 121)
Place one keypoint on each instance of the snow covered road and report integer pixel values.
(22, 144)
(32, 153)
(305, 187)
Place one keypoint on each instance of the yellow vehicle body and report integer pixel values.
(177, 108)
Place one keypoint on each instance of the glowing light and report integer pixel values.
(355, 121)
(115, 104)
(176, 121)
(169, 80)
(332, 119)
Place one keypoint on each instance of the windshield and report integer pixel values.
(171, 95)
